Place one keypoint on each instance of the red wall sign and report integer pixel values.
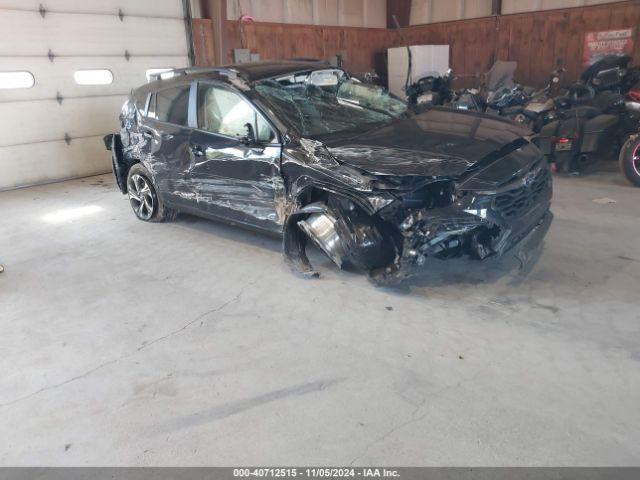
(606, 42)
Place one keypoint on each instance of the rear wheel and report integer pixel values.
(143, 197)
(630, 160)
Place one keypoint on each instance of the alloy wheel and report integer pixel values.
(140, 196)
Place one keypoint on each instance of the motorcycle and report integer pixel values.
(611, 72)
(595, 122)
(498, 93)
(540, 109)
(431, 89)
(629, 158)
(467, 99)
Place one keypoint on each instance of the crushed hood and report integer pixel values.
(437, 143)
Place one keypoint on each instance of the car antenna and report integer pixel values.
(402, 38)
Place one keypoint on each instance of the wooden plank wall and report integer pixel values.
(203, 42)
(277, 41)
(539, 41)
(536, 40)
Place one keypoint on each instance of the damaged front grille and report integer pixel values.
(532, 189)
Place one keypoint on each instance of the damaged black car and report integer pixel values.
(301, 150)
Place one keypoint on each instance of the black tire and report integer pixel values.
(143, 197)
(630, 160)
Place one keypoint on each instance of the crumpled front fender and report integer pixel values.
(349, 236)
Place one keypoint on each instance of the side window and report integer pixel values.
(141, 103)
(264, 132)
(227, 113)
(172, 105)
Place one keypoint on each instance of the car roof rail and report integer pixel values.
(174, 72)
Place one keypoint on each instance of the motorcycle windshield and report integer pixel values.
(501, 75)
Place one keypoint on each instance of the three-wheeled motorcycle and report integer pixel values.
(597, 120)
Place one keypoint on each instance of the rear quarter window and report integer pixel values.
(140, 101)
(172, 105)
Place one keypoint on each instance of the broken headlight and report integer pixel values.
(432, 195)
(378, 202)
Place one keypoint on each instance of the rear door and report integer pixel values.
(232, 178)
(165, 142)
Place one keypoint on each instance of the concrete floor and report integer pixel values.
(190, 343)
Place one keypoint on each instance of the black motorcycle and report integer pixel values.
(541, 108)
(611, 72)
(592, 118)
(498, 93)
(431, 89)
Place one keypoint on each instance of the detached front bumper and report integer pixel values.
(398, 240)
(472, 240)
(477, 225)
(530, 241)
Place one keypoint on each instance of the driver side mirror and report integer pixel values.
(250, 137)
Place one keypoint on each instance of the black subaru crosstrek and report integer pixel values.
(303, 150)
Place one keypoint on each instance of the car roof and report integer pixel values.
(247, 72)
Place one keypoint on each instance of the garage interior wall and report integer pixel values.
(348, 13)
(537, 40)
(54, 129)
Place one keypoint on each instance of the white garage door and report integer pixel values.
(53, 129)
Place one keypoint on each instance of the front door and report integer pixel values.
(233, 175)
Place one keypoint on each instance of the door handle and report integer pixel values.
(196, 150)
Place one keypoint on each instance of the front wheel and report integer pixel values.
(630, 160)
(144, 199)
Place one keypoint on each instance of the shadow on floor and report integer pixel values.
(435, 273)
(235, 233)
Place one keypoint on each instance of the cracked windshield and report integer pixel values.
(322, 102)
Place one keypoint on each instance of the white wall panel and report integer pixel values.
(327, 12)
(351, 13)
(430, 11)
(38, 121)
(27, 33)
(375, 14)
(446, 11)
(81, 35)
(57, 76)
(518, 6)
(298, 11)
(45, 162)
(348, 13)
(477, 8)
(162, 8)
